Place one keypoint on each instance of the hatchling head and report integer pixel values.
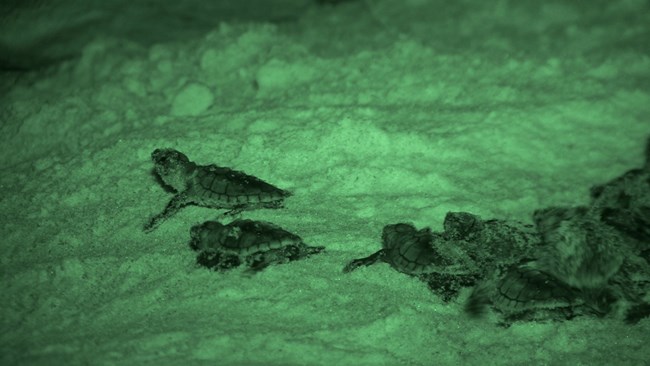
(173, 167)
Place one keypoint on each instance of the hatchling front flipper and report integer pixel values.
(175, 204)
(366, 261)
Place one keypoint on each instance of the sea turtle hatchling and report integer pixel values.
(210, 186)
(582, 267)
(256, 244)
(490, 243)
(523, 293)
(592, 257)
(412, 252)
(406, 249)
(466, 251)
(595, 257)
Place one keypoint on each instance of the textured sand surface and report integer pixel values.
(371, 114)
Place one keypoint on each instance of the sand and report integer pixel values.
(370, 113)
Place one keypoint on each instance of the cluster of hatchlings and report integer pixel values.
(592, 260)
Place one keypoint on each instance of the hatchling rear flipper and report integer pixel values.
(366, 261)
